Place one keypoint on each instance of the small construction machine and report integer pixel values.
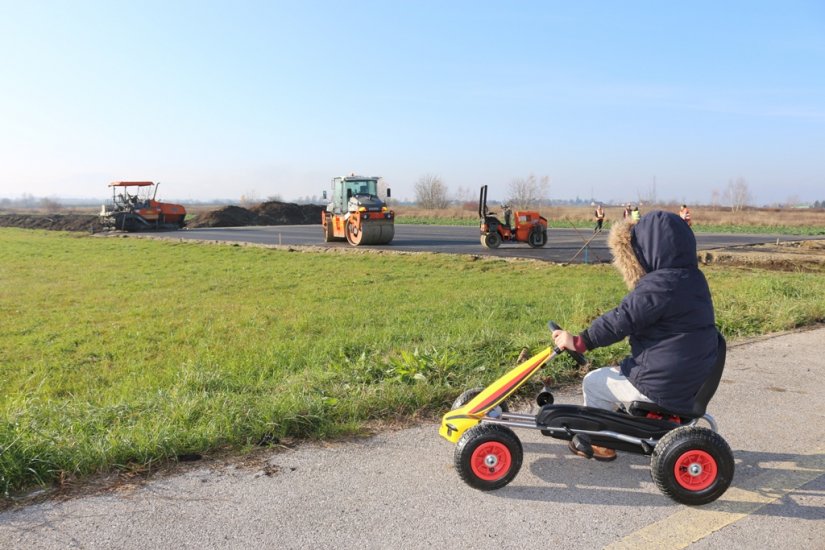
(356, 213)
(530, 226)
(134, 208)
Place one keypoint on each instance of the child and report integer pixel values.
(668, 316)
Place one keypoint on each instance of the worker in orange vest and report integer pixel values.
(684, 213)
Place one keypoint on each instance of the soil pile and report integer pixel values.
(267, 213)
(54, 222)
(805, 256)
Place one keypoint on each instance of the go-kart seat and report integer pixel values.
(702, 397)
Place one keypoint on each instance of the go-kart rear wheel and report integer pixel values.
(692, 465)
(470, 394)
(488, 456)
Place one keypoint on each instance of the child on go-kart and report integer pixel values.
(668, 316)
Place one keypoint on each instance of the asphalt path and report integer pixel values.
(563, 245)
(398, 489)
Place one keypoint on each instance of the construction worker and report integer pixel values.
(684, 213)
(508, 215)
(599, 212)
(635, 215)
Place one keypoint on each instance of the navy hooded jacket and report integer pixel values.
(668, 315)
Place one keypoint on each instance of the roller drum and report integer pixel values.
(371, 233)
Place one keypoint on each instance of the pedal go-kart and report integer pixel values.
(689, 463)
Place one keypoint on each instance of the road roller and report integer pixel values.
(356, 213)
(530, 226)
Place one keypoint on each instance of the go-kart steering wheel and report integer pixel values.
(577, 357)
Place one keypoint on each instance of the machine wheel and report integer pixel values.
(329, 230)
(370, 233)
(692, 465)
(469, 395)
(354, 235)
(491, 240)
(488, 456)
(537, 238)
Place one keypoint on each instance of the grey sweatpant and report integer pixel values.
(607, 388)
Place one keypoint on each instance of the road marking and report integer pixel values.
(690, 525)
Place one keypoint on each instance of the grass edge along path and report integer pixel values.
(116, 354)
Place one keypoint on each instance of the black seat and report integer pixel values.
(702, 397)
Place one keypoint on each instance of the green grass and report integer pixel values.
(582, 224)
(118, 353)
(473, 222)
(760, 229)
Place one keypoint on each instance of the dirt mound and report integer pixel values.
(807, 256)
(228, 216)
(267, 213)
(54, 222)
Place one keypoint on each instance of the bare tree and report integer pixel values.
(737, 194)
(529, 191)
(465, 195)
(714, 198)
(249, 198)
(430, 192)
(51, 206)
(649, 196)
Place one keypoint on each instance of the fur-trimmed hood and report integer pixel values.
(660, 240)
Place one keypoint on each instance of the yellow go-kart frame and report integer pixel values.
(461, 419)
(690, 464)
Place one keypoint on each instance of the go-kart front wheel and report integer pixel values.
(488, 456)
(692, 465)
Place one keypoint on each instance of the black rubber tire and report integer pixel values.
(493, 442)
(537, 238)
(469, 395)
(544, 398)
(678, 447)
(492, 240)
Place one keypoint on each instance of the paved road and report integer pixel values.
(399, 489)
(562, 245)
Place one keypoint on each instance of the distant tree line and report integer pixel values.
(432, 193)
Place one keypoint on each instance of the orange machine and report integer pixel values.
(356, 213)
(530, 226)
(134, 208)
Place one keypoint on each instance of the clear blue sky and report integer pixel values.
(220, 99)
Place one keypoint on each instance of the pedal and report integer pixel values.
(581, 445)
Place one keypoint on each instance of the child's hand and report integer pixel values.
(563, 339)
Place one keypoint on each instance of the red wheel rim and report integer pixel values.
(695, 470)
(491, 461)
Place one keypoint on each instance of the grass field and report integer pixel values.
(705, 219)
(119, 353)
